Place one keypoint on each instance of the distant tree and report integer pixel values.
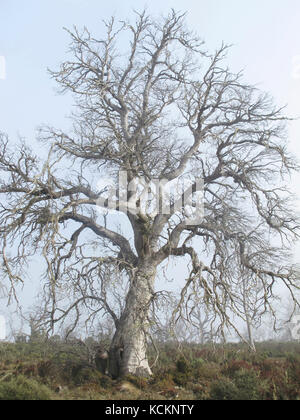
(37, 333)
(21, 338)
(193, 319)
(251, 300)
(289, 327)
(153, 103)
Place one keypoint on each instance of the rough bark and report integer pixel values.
(250, 335)
(248, 318)
(127, 353)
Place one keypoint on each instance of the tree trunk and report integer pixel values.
(250, 335)
(248, 319)
(128, 351)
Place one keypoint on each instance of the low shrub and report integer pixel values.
(181, 379)
(201, 390)
(243, 386)
(208, 370)
(162, 381)
(247, 383)
(197, 363)
(183, 366)
(138, 381)
(106, 382)
(235, 366)
(23, 389)
(223, 390)
(85, 375)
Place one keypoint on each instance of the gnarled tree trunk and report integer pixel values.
(128, 351)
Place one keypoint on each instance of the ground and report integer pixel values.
(60, 371)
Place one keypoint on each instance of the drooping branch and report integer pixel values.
(117, 239)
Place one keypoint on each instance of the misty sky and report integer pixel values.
(265, 35)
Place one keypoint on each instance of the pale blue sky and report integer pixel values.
(265, 34)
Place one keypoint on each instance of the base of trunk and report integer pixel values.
(127, 356)
(128, 352)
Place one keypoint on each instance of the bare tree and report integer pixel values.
(202, 322)
(251, 298)
(158, 108)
